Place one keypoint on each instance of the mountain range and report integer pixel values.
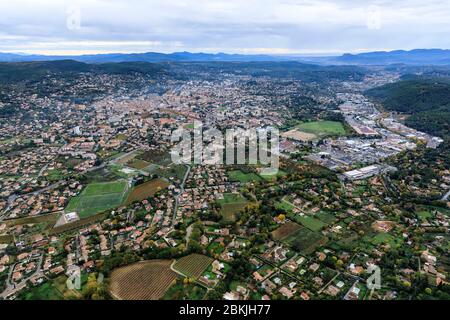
(413, 57)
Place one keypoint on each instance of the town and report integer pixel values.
(88, 189)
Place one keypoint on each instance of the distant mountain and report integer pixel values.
(144, 57)
(413, 57)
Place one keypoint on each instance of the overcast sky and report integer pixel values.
(233, 26)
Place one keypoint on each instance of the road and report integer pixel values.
(175, 208)
(12, 288)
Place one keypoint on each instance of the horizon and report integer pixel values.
(274, 27)
(292, 55)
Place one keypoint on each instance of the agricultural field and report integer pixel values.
(158, 157)
(305, 241)
(173, 171)
(284, 205)
(231, 204)
(286, 230)
(98, 197)
(101, 175)
(309, 222)
(47, 218)
(239, 176)
(323, 128)
(193, 265)
(146, 190)
(325, 217)
(6, 238)
(299, 135)
(138, 164)
(147, 280)
(124, 159)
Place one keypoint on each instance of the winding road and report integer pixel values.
(12, 288)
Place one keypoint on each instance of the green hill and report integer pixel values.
(426, 100)
(37, 71)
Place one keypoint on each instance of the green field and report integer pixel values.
(54, 175)
(231, 204)
(231, 198)
(305, 241)
(325, 217)
(382, 238)
(239, 176)
(322, 128)
(311, 223)
(96, 189)
(424, 215)
(271, 177)
(285, 206)
(98, 197)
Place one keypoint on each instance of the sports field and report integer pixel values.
(322, 128)
(98, 197)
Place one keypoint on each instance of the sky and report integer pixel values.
(318, 27)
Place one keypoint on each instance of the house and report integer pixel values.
(286, 292)
(314, 267)
(57, 270)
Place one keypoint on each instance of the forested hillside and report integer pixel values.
(426, 100)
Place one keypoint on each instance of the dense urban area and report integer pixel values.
(88, 190)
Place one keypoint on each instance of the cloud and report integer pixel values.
(251, 26)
